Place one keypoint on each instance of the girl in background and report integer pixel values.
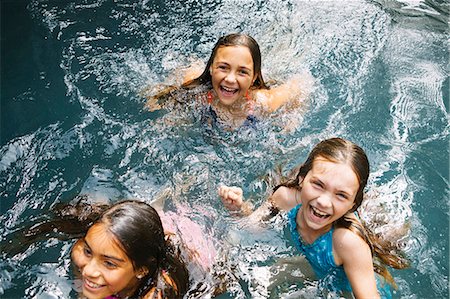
(121, 249)
(322, 199)
(231, 86)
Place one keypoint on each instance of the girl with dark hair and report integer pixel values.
(322, 198)
(232, 86)
(121, 252)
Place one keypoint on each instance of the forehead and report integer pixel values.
(103, 242)
(340, 173)
(237, 54)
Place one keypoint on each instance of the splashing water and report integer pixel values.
(76, 124)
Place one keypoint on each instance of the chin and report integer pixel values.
(228, 102)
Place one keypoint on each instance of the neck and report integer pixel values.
(309, 235)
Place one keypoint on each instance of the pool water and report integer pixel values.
(72, 121)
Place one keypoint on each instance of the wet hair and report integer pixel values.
(137, 229)
(339, 150)
(230, 40)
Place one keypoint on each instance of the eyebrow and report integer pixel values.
(104, 255)
(340, 191)
(240, 66)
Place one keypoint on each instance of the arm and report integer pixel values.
(155, 93)
(295, 91)
(192, 72)
(283, 199)
(353, 253)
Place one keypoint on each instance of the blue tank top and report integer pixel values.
(320, 255)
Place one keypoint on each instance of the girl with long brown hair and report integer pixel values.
(322, 198)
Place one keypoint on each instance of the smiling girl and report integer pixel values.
(232, 86)
(124, 254)
(122, 250)
(322, 199)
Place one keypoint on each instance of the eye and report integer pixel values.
(317, 184)
(342, 196)
(222, 67)
(87, 251)
(244, 72)
(110, 265)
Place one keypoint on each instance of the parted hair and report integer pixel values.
(137, 228)
(339, 150)
(230, 40)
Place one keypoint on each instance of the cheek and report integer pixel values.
(119, 280)
(78, 258)
(307, 191)
(215, 76)
(246, 83)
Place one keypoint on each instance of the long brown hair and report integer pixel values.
(339, 150)
(233, 39)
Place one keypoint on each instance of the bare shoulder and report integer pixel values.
(284, 198)
(347, 245)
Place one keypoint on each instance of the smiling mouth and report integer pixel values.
(228, 91)
(92, 285)
(318, 213)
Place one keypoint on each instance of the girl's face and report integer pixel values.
(232, 73)
(327, 193)
(104, 266)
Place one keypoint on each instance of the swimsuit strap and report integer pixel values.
(209, 97)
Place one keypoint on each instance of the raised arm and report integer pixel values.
(156, 94)
(283, 199)
(233, 199)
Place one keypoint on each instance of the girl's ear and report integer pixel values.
(210, 70)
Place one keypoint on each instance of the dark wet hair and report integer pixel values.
(137, 228)
(233, 39)
(139, 231)
(155, 101)
(339, 150)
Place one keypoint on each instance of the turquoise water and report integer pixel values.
(72, 121)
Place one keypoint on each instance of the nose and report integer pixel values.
(324, 200)
(231, 77)
(91, 269)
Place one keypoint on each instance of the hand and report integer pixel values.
(231, 197)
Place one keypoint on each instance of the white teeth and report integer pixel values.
(228, 89)
(92, 284)
(318, 213)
